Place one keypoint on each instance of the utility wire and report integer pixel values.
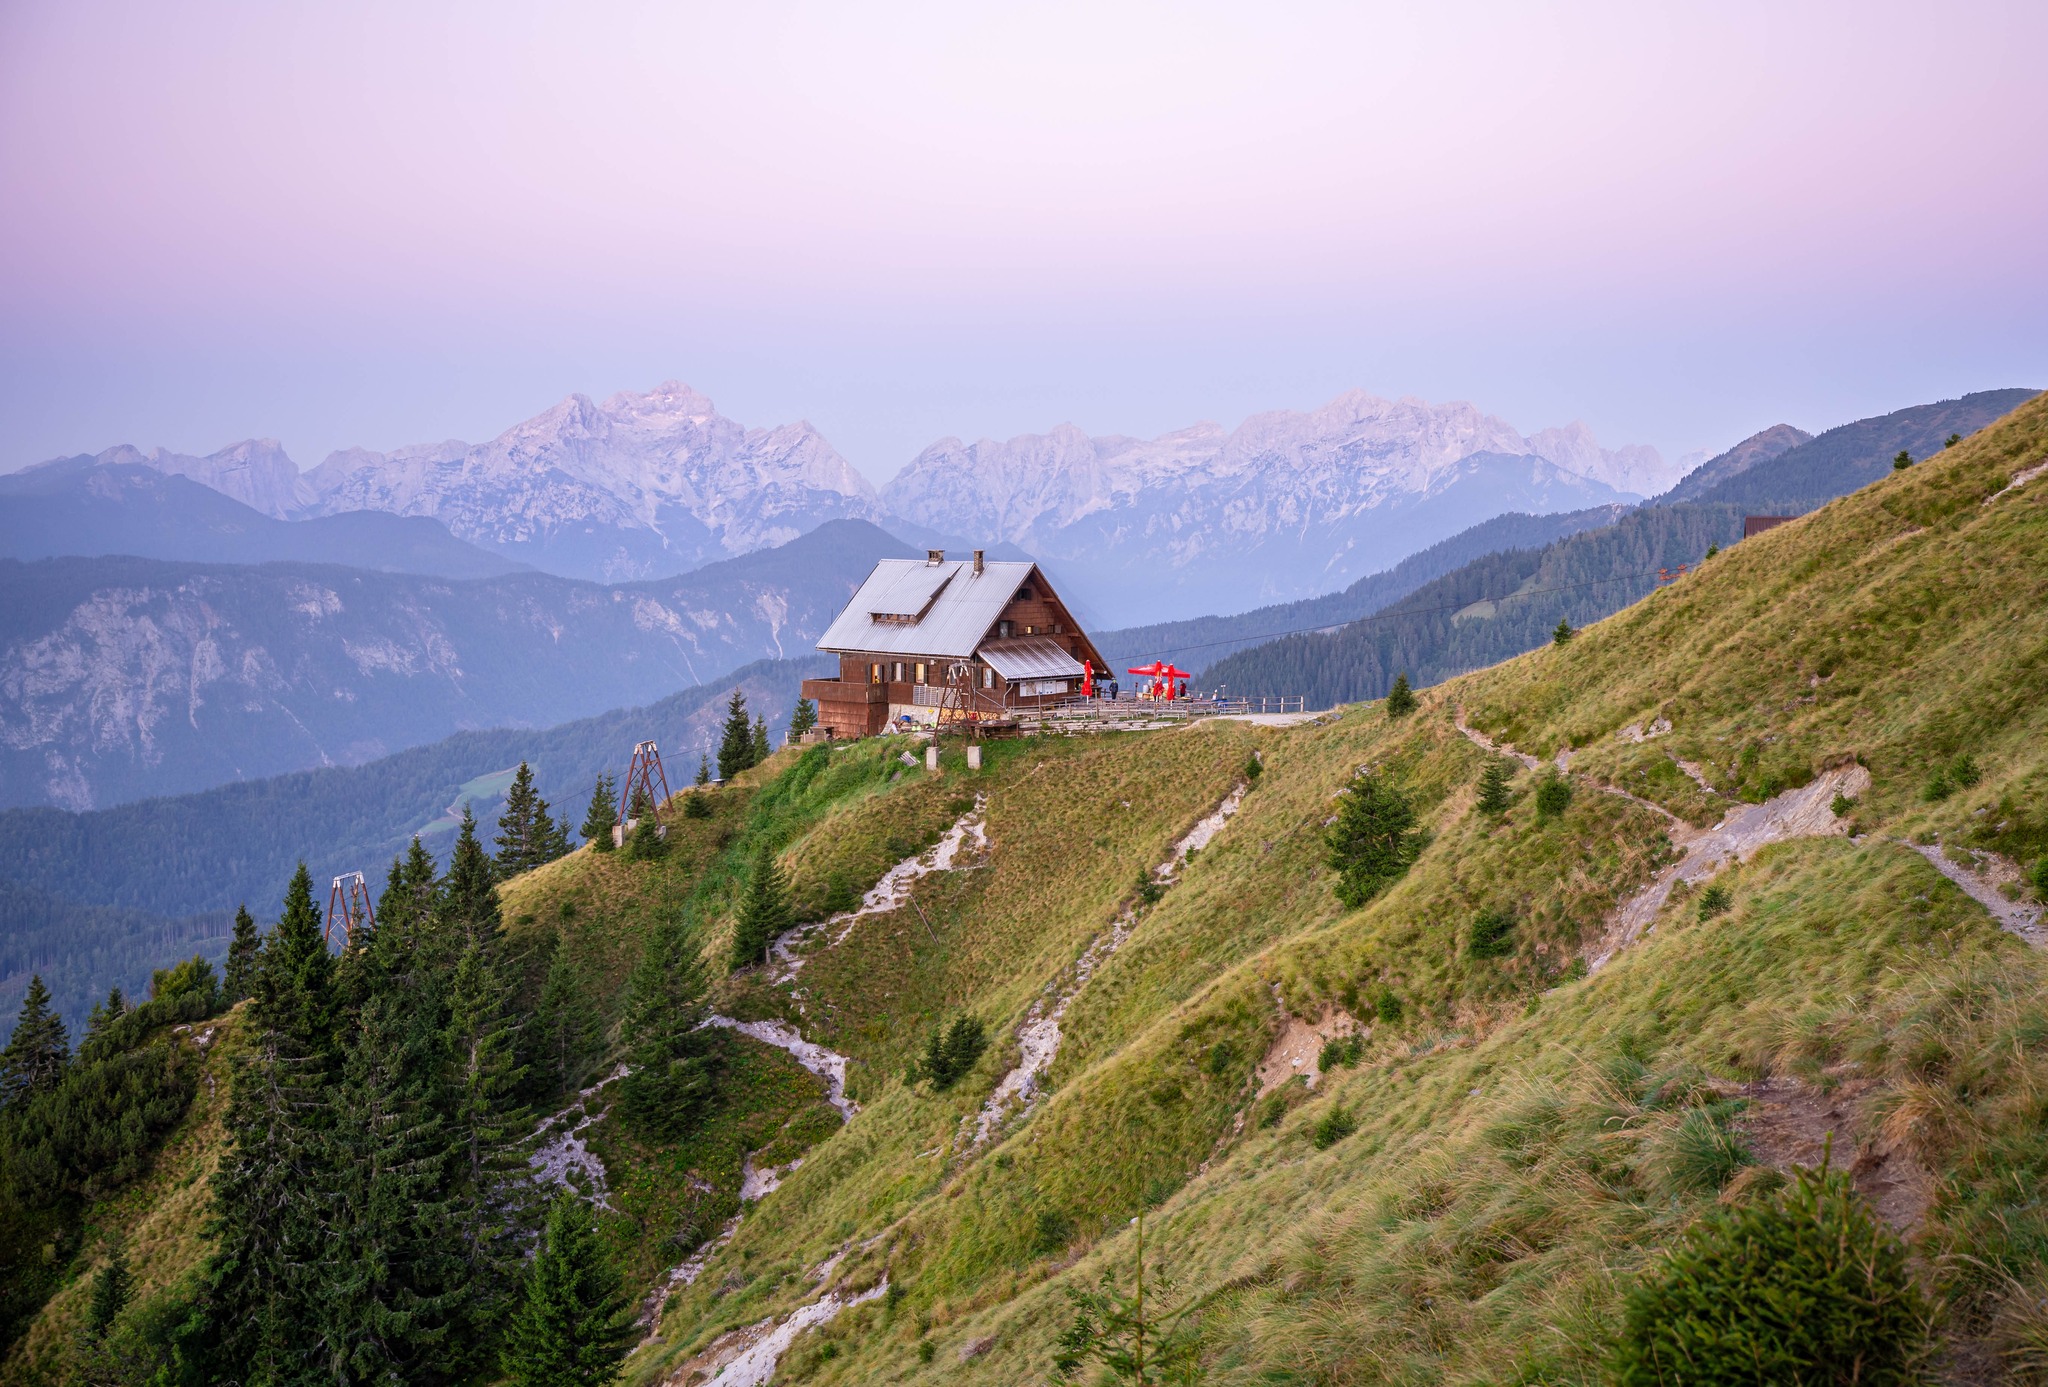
(1391, 615)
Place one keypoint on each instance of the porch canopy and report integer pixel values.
(1031, 657)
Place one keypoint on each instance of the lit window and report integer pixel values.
(920, 672)
(874, 674)
(1030, 630)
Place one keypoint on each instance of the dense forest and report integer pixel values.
(91, 900)
(374, 1218)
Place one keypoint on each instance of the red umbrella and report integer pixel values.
(1169, 672)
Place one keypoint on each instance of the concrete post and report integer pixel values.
(974, 756)
(931, 757)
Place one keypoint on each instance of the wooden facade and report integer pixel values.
(915, 627)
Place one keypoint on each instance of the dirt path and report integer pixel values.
(564, 1154)
(1807, 812)
(828, 1065)
(960, 848)
(748, 1357)
(1039, 1036)
(2015, 917)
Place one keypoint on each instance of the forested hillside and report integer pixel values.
(1209, 638)
(104, 897)
(1508, 1035)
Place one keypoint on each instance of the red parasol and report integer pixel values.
(1170, 672)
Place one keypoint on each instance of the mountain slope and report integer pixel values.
(1468, 1194)
(1503, 604)
(1210, 638)
(1286, 505)
(1758, 448)
(93, 506)
(123, 678)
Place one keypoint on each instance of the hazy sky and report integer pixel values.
(378, 224)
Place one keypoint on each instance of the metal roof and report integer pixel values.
(962, 607)
(1031, 657)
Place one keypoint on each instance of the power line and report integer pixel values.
(1415, 611)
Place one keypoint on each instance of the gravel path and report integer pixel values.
(828, 1065)
(2015, 917)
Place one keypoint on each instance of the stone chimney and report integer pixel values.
(934, 557)
(977, 563)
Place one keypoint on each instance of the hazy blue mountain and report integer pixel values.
(100, 898)
(122, 678)
(1775, 441)
(92, 506)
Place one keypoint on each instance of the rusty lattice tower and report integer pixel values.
(348, 901)
(644, 777)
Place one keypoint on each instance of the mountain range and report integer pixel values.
(122, 678)
(649, 485)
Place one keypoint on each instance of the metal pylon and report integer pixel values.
(348, 901)
(645, 774)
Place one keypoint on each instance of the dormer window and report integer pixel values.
(1025, 594)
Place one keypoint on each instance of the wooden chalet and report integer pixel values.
(940, 639)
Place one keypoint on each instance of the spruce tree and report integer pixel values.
(405, 912)
(241, 968)
(802, 718)
(550, 834)
(764, 911)
(263, 1288)
(736, 741)
(562, 1026)
(519, 831)
(38, 1051)
(669, 1054)
(389, 1278)
(761, 748)
(1902, 461)
(104, 1015)
(572, 1328)
(490, 1181)
(602, 816)
(1563, 632)
(1493, 788)
(468, 904)
(703, 768)
(1400, 698)
(1373, 841)
(111, 1286)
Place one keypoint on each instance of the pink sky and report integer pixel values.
(379, 224)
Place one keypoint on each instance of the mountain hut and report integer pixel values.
(924, 637)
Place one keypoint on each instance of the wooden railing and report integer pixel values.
(1098, 714)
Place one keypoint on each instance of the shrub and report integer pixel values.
(696, 805)
(1220, 1060)
(1902, 461)
(1715, 900)
(1938, 788)
(1332, 1127)
(1052, 1234)
(1493, 935)
(1373, 841)
(1341, 1053)
(1553, 796)
(1400, 698)
(1805, 1287)
(1841, 805)
(1563, 634)
(1702, 1154)
(952, 1052)
(1150, 888)
(1388, 1008)
(2041, 878)
(1493, 787)
(647, 843)
(1963, 773)
(1253, 769)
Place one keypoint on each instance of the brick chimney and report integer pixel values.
(977, 563)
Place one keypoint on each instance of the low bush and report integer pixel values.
(952, 1052)
(1493, 935)
(1341, 1053)
(1553, 796)
(1332, 1127)
(1806, 1286)
(1715, 900)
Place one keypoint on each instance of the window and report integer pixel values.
(920, 672)
(874, 674)
(1024, 594)
(1056, 628)
(896, 672)
(1030, 630)
(988, 677)
(1003, 630)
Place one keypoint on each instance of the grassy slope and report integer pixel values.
(1525, 1137)
(1512, 1162)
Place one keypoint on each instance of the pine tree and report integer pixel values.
(1400, 698)
(571, 1328)
(1902, 461)
(1563, 633)
(562, 1028)
(670, 1056)
(111, 1286)
(703, 768)
(764, 912)
(550, 834)
(1373, 841)
(490, 1181)
(104, 1015)
(519, 831)
(389, 1278)
(263, 1291)
(602, 816)
(761, 749)
(405, 912)
(1493, 788)
(736, 742)
(242, 953)
(38, 1051)
(468, 904)
(802, 718)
